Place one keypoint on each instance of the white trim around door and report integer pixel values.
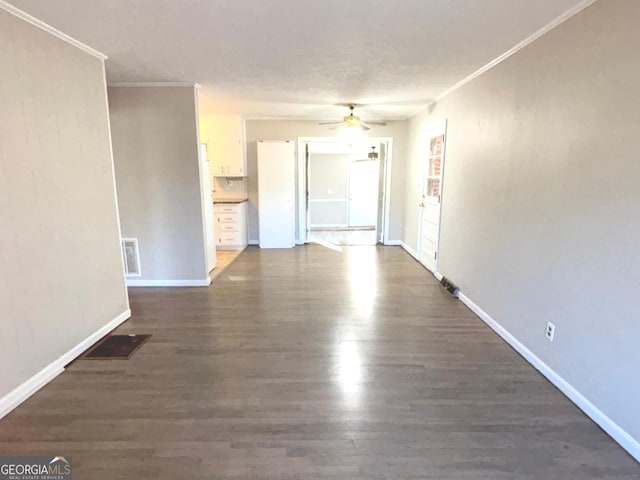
(431, 191)
(301, 187)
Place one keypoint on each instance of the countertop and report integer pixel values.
(229, 200)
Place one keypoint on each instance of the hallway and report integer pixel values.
(311, 363)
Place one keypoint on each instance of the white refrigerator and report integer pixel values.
(276, 194)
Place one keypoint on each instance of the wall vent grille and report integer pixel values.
(131, 256)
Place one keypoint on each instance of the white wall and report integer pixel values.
(61, 274)
(291, 130)
(328, 180)
(155, 149)
(541, 201)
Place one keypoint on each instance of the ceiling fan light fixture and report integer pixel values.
(373, 155)
(352, 121)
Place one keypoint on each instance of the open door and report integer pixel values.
(429, 221)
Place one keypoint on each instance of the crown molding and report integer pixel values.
(530, 39)
(153, 84)
(315, 119)
(49, 29)
(421, 109)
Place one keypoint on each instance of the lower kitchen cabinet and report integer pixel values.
(231, 225)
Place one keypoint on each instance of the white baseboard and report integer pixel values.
(51, 371)
(625, 440)
(414, 254)
(168, 283)
(393, 243)
(254, 242)
(409, 250)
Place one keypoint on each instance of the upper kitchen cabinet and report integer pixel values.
(225, 139)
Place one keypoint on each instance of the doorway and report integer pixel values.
(343, 191)
(431, 197)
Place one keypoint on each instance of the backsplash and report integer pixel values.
(222, 188)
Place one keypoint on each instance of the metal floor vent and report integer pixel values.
(449, 287)
(116, 347)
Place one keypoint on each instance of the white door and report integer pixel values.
(207, 208)
(363, 193)
(276, 194)
(429, 226)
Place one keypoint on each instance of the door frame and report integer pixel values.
(301, 187)
(428, 131)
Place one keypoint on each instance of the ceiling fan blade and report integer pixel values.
(382, 124)
(364, 127)
(329, 123)
(334, 128)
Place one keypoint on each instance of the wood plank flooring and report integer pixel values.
(357, 236)
(313, 364)
(224, 258)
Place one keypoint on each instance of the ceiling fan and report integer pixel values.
(352, 121)
(371, 157)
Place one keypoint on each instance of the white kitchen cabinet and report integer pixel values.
(231, 225)
(226, 146)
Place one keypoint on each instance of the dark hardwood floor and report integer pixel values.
(313, 364)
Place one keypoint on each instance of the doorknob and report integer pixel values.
(421, 205)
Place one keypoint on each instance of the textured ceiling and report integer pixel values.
(298, 58)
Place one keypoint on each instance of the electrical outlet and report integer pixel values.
(550, 331)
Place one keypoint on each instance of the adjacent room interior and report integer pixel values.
(298, 239)
(344, 192)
